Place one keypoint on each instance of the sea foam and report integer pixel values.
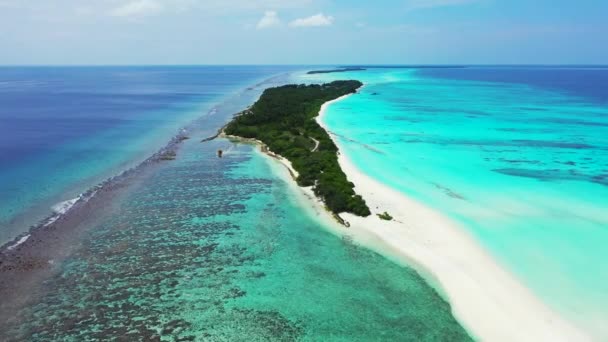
(19, 242)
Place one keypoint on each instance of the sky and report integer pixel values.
(126, 32)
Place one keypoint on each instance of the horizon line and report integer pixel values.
(371, 65)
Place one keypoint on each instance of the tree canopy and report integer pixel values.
(284, 119)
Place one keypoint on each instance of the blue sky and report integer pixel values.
(303, 32)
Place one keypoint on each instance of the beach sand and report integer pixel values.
(488, 301)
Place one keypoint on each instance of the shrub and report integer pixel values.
(385, 216)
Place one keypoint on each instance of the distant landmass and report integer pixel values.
(341, 69)
(363, 67)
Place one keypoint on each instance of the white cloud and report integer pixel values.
(138, 8)
(228, 7)
(270, 19)
(315, 20)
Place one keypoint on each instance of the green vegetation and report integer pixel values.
(385, 216)
(283, 119)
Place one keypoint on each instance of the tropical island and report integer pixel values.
(284, 120)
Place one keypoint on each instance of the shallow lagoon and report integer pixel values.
(218, 249)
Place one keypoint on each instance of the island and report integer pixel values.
(283, 119)
(335, 70)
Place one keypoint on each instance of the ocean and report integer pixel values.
(516, 155)
(196, 248)
(64, 129)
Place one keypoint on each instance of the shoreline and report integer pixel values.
(263, 149)
(293, 174)
(488, 301)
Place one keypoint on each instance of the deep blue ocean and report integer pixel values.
(64, 129)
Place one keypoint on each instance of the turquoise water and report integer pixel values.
(519, 156)
(209, 249)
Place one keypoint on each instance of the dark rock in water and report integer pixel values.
(374, 93)
(169, 155)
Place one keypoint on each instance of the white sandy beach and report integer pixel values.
(489, 302)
